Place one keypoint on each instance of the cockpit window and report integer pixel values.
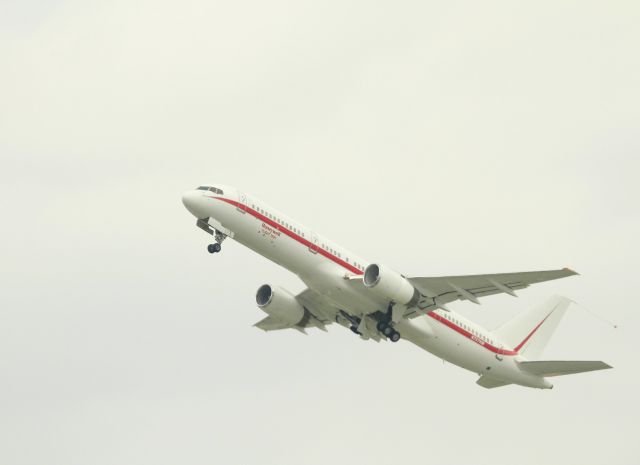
(212, 189)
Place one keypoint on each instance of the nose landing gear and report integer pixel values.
(217, 246)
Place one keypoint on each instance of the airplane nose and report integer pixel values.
(192, 200)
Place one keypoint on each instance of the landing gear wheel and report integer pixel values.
(381, 326)
(395, 337)
(214, 248)
(388, 331)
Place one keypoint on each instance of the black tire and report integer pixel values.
(388, 331)
(395, 337)
(380, 326)
(217, 247)
(211, 248)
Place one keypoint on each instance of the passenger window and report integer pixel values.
(203, 188)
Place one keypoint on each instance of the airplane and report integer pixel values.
(377, 303)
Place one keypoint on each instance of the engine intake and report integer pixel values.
(280, 304)
(390, 285)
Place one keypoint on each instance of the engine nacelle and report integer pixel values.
(280, 304)
(390, 285)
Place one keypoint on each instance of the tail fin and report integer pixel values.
(561, 367)
(531, 331)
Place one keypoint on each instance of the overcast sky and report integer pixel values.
(438, 138)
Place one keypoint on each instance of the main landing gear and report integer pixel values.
(386, 327)
(217, 246)
(388, 330)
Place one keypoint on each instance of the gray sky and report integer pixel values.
(438, 138)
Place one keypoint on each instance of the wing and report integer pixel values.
(489, 383)
(442, 290)
(317, 305)
(318, 314)
(271, 324)
(327, 313)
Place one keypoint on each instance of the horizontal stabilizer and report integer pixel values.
(561, 367)
(490, 383)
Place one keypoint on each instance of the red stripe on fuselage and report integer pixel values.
(357, 271)
(292, 235)
(471, 336)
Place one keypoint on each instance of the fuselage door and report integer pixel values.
(314, 243)
(242, 202)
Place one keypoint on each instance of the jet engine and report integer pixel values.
(390, 285)
(280, 304)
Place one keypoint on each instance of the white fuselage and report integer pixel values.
(323, 265)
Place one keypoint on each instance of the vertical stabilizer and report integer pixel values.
(530, 331)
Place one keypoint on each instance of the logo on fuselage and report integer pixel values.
(269, 232)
